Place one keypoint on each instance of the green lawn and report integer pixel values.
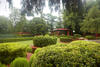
(28, 42)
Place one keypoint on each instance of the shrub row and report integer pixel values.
(8, 52)
(41, 41)
(66, 39)
(75, 54)
(76, 36)
(3, 40)
(90, 37)
(24, 35)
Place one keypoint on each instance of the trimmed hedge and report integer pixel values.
(20, 62)
(75, 54)
(77, 36)
(24, 35)
(3, 40)
(41, 41)
(2, 65)
(65, 39)
(90, 37)
(8, 52)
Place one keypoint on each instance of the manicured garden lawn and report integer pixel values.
(28, 42)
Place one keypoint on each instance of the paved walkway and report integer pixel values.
(98, 41)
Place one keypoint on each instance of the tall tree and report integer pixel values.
(38, 26)
(5, 25)
(92, 21)
(15, 16)
(72, 22)
(50, 21)
(21, 25)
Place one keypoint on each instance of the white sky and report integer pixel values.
(5, 11)
(4, 8)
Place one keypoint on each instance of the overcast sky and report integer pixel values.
(5, 11)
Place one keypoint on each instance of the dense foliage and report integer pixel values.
(41, 41)
(5, 25)
(92, 21)
(38, 26)
(2, 65)
(90, 37)
(20, 62)
(77, 54)
(8, 52)
(65, 39)
(3, 40)
(77, 36)
(29, 49)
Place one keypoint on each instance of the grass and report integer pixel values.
(28, 42)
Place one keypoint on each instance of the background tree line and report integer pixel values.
(78, 15)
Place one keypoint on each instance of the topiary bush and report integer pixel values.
(41, 41)
(2, 65)
(65, 39)
(10, 51)
(20, 62)
(90, 37)
(75, 54)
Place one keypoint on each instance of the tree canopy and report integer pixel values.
(5, 25)
(38, 26)
(38, 5)
(92, 21)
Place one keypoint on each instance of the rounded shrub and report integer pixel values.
(75, 54)
(20, 62)
(90, 37)
(10, 51)
(65, 39)
(41, 41)
(2, 65)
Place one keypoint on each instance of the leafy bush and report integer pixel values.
(20, 62)
(8, 52)
(65, 39)
(62, 36)
(77, 36)
(29, 49)
(41, 41)
(75, 54)
(2, 65)
(90, 37)
(3, 40)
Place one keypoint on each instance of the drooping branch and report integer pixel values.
(38, 5)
